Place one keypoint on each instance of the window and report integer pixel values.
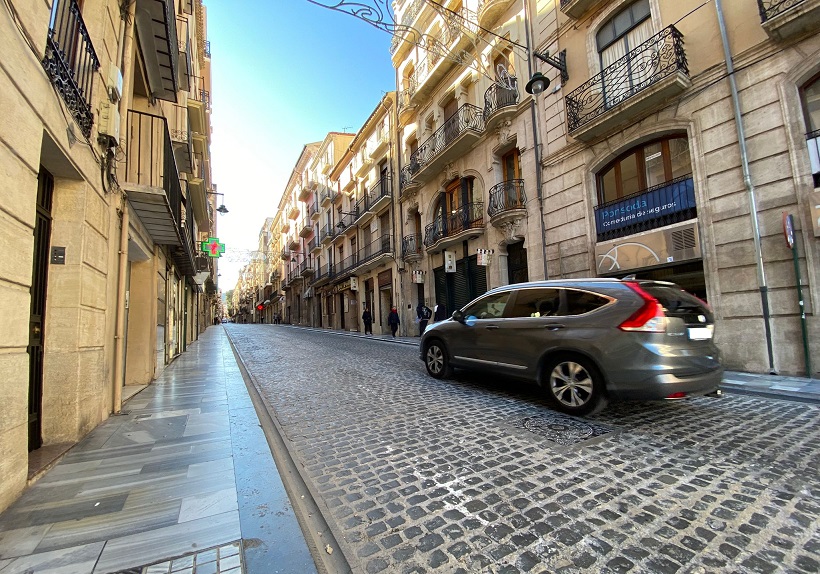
(643, 167)
(811, 107)
(535, 303)
(622, 33)
(580, 302)
(489, 307)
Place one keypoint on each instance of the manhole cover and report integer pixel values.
(562, 429)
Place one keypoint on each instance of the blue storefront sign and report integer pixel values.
(653, 204)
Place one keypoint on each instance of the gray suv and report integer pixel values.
(584, 340)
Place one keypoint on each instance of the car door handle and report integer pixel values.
(491, 327)
(554, 326)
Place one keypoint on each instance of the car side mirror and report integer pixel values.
(458, 316)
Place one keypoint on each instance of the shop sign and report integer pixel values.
(654, 204)
(483, 256)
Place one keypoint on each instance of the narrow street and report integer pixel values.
(479, 475)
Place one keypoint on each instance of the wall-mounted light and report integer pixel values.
(221, 209)
(539, 82)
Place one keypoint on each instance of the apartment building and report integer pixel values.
(646, 171)
(107, 167)
(359, 226)
(469, 198)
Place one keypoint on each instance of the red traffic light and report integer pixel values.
(260, 307)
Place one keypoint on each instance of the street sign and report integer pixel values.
(788, 228)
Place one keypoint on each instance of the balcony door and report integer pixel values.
(622, 71)
(811, 107)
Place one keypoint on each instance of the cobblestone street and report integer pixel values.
(478, 475)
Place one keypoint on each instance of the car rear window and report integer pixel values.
(580, 302)
(677, 302)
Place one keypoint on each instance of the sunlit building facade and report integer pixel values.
(108, 168)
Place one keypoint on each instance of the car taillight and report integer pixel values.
(650, 318)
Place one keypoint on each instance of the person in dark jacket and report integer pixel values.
(367, 318)
(423, 312)
(393, 321)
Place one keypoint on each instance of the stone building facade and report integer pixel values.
(645, 173)
(105, 160)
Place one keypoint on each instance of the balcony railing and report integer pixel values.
(664, 204)
(313, 243)
(411, 246)
(306, 267)
(659, 57)
(813, 143)
(404, 25)
(198, 93)
(328, 232)
(380, 246)
(469, 216)
(498, 97)
(348, 219)
(380, 190)
(70, 61)
(506, 196)
(772, 8)
(467, 118)
(345, 265)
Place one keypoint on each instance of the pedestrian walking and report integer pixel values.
(393, 321)
(367, 318)
(424, 313)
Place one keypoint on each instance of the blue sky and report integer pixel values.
(284, 73)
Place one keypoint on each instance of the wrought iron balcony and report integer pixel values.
(314, 244)
(151, 177)
(327, 233)
(407, 18)
(306, 267)
(453, 138)
(505, 197)
(499, 102)
(326, 196)
(348, 220)
(466, 218)
(70, 61)
(630, 87)
(371, 255)
(411, 247)
(305, 227)
(658, 206)
(577, 8)
(379, 194)
(313, 211)
(345, 267)
(784, 19)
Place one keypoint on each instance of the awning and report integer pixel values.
(266, 302)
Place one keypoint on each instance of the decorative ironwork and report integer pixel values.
(379, 190)
(381, 246)
(411, 245)
(500, 96)
(467, 117)
(70, 61)
(660, 56)
(772, 8)
(438, 45)
(506, 196)
(468, 216)
(658, 206)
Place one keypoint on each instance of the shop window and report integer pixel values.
(644, 167)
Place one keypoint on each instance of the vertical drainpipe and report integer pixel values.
(747, 180)
(124, 50)
(536, 144)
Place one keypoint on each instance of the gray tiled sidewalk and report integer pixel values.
(163, 487)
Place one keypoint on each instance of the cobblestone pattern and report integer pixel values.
(419, 475)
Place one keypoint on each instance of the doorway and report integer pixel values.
(39, 283)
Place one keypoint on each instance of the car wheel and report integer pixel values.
(436, 361)
(574, 385)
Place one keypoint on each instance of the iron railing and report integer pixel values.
(498, 97)
(467, 118)
(306, 266)
(469, 216)
(348, 219)
(772, 8)
(506, 196)
(345, 265)
(329, 231)
(411, 245)
(380, 246)
(404, 25)
(313, 243)
(313, 209)
(70, 61)
(654, 207)
(327, 193)
(197, 91)
(379, 190)
(659, 57)
(149, 157)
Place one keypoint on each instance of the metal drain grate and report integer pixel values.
(562, 429)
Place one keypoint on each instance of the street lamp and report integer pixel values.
(539, 82)
(221, 209)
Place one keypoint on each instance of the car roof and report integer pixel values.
(577, 282)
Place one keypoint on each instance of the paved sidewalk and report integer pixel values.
(183, 481)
